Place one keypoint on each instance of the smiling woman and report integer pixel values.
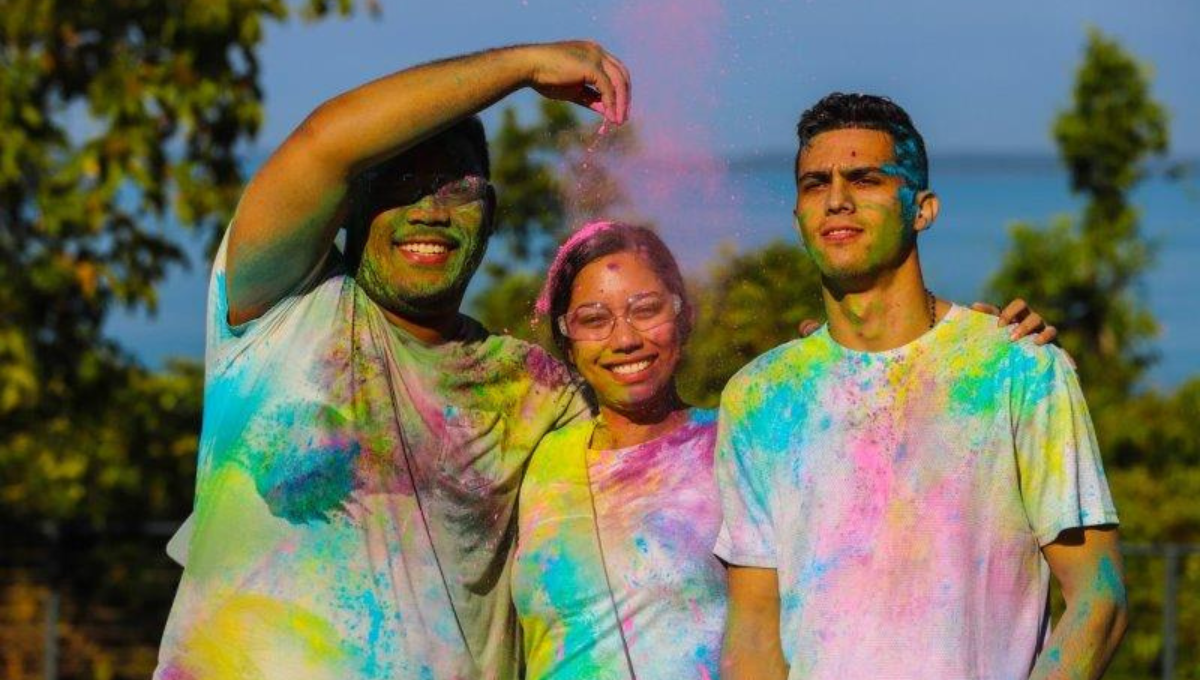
(614, 573)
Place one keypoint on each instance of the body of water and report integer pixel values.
(749, 204)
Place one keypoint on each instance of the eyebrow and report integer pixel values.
(849, 173)
(635, 296)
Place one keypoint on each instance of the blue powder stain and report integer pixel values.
(905, 168)
(313, 483)
(370, 601)
(1110, 577)
(815, 572)
(642, 546)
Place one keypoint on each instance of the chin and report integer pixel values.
(635, 397)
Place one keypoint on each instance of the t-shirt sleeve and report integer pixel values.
(577, 408)
(222, 339)
(747, 535)
(1058, 460)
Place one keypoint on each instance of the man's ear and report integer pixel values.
(927, 210)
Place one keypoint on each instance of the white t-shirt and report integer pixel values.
(657, 515)
(356, 493)
(903, 497)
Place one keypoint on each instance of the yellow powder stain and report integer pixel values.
(254, 637)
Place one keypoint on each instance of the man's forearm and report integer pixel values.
(751, 654)
(381, 118)
(752, 649)
(1084, 640)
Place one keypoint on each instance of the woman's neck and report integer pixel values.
(618, 428)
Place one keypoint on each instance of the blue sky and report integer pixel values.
(975, 76)
(718, 79)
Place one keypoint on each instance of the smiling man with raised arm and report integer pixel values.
(899, 487)
(363, 441)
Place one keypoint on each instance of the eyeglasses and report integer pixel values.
(643, 312)
(449, 191)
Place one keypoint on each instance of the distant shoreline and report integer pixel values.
(974, 161)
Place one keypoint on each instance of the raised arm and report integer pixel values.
(1087, 564)
(288, 216)
(753, 650)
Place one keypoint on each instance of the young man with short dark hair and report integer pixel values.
(899, 487)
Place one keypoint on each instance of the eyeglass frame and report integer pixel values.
(676, 309)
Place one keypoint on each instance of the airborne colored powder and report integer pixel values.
(676, 177)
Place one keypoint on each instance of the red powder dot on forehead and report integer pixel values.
(853, 154)
(612, 266)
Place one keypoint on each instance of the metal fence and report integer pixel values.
(84, 605)
(1173, 556)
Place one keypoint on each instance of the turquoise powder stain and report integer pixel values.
(975, 393)
(906, 154)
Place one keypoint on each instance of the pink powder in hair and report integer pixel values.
(542, 306)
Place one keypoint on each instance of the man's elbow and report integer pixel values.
(1118, 604)
(1108, 610)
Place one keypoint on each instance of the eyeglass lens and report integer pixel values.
(596, 322)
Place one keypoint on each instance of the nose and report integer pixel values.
(429, 211)
(838, 198)
(624, 338)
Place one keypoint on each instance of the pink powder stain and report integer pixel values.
(873, 477)
(545, 369)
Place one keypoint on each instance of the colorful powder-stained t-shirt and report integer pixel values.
(903, 497)
(356, 491)
(657, 514)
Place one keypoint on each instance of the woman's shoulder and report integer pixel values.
(560, 451)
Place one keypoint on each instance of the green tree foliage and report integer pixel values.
(507, 306)
(116, 118)
(749, 303)
(1084, 273)
(128, 459)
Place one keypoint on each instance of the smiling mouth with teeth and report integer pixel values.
(425, 248)
(625, 369)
